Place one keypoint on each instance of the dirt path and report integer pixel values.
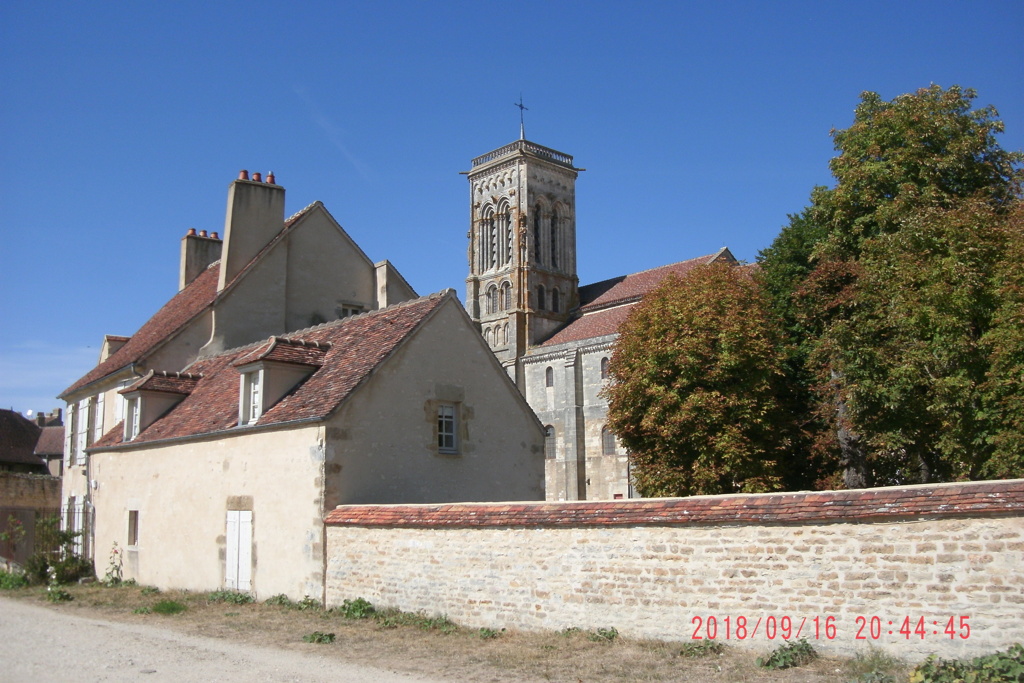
(38, 645)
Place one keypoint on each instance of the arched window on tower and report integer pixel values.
(607, 441)
(549, 376)
(490, 230)
(540, 297)
(505, 334)
(492, 299)
(505, 221)
(554, 300)
(538, 240)
(506, 296)
(489, 337)
(604, 368)
(555, 234)
(549, 442)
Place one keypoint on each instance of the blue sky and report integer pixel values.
(701, 125)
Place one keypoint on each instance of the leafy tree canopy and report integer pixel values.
(887, 285)
(696, 381)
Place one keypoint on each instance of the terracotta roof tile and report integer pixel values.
(51, 442)
(862, 505)
(288, 350)
(605, 305)
(18, 437)
(355, 347)
(183, 307)
(629, 288)
(167, 382)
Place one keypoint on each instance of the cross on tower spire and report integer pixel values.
(522, 128)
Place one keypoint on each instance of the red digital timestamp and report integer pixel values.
(827, 627)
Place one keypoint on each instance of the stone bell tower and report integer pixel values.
(522, 281)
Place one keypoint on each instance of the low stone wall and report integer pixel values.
(944, 564)
(25, 498)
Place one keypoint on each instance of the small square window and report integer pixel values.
(446, 437)
(133, 527)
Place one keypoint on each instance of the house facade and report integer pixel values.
(224, 471)
(268, 275)
(553, 336)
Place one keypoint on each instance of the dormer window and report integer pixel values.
(151, 397)
(271, 371)
(251, 405)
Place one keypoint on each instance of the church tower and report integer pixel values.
(522, 281)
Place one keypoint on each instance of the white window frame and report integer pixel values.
(132, 417)
(133, 529)
(250, 404)
(97, 418)
(447, 428)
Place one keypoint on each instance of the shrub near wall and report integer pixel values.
(912, 570)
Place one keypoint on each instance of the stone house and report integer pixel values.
(268, 275)
(553, 336)
(223, 472)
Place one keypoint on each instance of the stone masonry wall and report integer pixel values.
(25, 498)
(846, 570)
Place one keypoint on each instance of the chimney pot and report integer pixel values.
(191, 232)
(214, 236)
(270, 178)
(243, 175)
(202, 233)
(257, 177)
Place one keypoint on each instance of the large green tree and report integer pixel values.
(696, 395)
(886, 281)
(1003, 392)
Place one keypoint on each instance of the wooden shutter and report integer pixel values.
(97, 418)
(238, 571)
(69, 435)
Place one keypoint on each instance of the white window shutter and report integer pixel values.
(238, 558)
(245, 550)
(97, 419)
(69, 434)
(231, 566)
(82, 428)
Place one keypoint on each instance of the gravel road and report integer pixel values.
(39, 645)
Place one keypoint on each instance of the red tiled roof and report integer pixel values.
(631, 287)
(18, 437)
(176, 313)
(184, 306)
(167, 382)
(590, 325)
(356, 346)
(604, 305)
(284, 350)
(862, 505)
(51, 442)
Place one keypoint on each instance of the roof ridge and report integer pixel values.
(330, 323)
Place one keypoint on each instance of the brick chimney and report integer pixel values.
(198, 251)
(255, 216)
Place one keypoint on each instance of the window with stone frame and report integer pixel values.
(550, 450)
(604, 368)
(447, 425)
(540, 297)
(549, 376)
